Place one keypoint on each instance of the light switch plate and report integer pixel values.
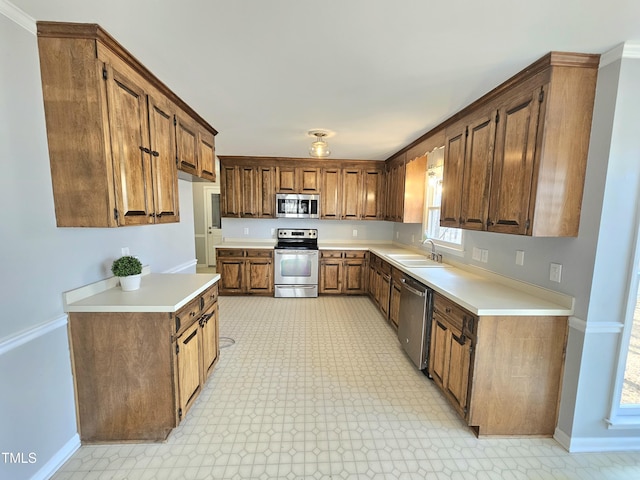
(355, 232)
(555, 272)
(246, 230)
(124, 251)
(484, 255)
(520, 257)
(477, 254)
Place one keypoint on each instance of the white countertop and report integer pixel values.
(159, 292)
(479, 291)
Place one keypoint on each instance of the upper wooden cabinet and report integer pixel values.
(302, 179)
(111, 130)
(348, 189)
(406, 189)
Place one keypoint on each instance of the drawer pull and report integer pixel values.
(190, 337)
(461, 340)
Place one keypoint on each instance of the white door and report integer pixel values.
(213, 222)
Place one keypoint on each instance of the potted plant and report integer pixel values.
(129, 270)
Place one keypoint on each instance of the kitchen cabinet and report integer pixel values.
(406, 189)
(115, 163)
(245, 271)
(373, 194)
(297, 179)
(206, 155)
(247, 191)
(380, 277)
(362, 194)
(136, 374)
(515, 160)
(343, 272)
(502, 374)
(330, 205)
(397, 277)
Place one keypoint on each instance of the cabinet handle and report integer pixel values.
(447, 310)
(152, 215)
(192, 314)
(190, 337)
(145, 149)
(459, 340)
(154, 153)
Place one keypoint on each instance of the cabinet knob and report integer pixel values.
(155, 154)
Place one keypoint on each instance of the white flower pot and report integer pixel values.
(132, 282)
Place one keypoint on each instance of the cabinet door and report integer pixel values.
(351, 194)
(308, 180)
(394, 307)
(230, 191)
(458, 375)
(187, 144)
(354, 274)
(330, 275)
(188, 357)
(439, 352)
(210, 345)
(477, 171)
(385, 292)
(248, 192)
(207, 155)
(330, 199)
(373, 198)
(513, 164)
(286, 180)
(452, 176)
(231, 274)
(372, 283)
(129, 139)
(259, 275)
(266, 192)
(163, 165)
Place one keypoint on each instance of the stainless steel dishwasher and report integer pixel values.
(414, 322)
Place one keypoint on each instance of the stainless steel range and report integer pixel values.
(296, 263)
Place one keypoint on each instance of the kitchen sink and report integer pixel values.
(413, 260)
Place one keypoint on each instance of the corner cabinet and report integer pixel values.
(502, 374)
(111, 130)
(515, 160)
(136, 374)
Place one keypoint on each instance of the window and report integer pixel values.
(443, 236)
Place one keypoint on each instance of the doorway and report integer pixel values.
(213, 225)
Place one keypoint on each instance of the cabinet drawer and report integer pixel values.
(355, 254)
(229, 252)
(397, 275)
(209, 296)
(462, 320)
(187, 315)
(385, 267)
(262, 253)
(330, 254)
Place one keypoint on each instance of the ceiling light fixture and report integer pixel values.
(319, 148)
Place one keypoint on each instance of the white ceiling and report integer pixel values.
(379, 73)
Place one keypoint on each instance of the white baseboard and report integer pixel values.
(596, 444)
(55, 462)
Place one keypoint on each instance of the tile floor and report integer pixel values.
(319, 389)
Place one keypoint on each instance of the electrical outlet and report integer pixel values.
(413, 239)
(520, 257)
(273, 232)
(246, 230)
(355, 232)
(555, 272)
(397, 235)
(477, 254)
(124, 251)
(484, 256)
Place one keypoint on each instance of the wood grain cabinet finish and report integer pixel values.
(348, 189)
(343, 272)
(501, 374)
(111, 130)
(380, 283)
(515, 160)
(245, 271)
(137, 374)
(406, 189)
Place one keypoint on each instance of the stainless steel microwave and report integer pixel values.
(292, 205)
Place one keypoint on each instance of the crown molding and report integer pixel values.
(624, 50)
(12, 12)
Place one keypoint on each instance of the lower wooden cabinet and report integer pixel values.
(380, 283)
(343, 272)
(502, 374)
(394, 299)
(245, 271)
(136, 374)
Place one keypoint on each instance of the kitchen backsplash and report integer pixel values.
(328, 230)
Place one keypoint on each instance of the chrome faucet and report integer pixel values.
(434, 255)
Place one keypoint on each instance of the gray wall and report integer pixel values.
(328, 230)
(596, 264)
(40, 261)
